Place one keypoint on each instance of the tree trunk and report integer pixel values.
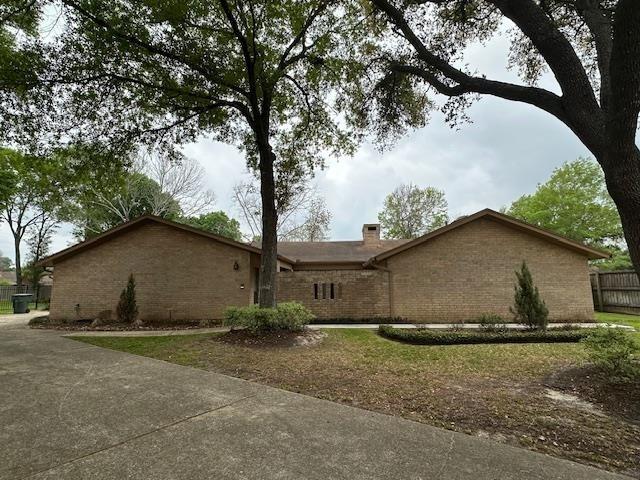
(269, 257)
(16, 243)
(622, 172)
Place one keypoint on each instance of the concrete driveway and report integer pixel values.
(73, 411)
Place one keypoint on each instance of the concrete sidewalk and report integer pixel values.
(69, 411)
(369, 326)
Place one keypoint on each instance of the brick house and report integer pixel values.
(454, 273)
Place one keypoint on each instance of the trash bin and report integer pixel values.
(21, 302)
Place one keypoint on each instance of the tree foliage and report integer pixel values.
(574, 202)
(6, 265)
(216, 222)
(591, 48)
(410, 211)
(21, 63)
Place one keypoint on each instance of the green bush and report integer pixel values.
(528, 307)
(286, 316)
(444, 337)
(127, 309)
(491, 322)
(612, 349)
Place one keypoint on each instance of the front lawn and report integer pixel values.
(619, 318)
(521, 394)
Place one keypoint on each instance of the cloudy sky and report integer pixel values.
(507, 150)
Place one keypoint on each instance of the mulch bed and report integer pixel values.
(85, 326)
(276, 339)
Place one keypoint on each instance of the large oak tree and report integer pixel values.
(592, 48)
(266, 76)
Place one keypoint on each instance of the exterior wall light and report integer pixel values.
(236, 266)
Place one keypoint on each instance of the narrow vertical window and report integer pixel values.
(332, 293)
(315, 291)
(324, 291)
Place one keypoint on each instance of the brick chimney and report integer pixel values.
(371, 233)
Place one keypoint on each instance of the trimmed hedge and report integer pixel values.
(446, 337)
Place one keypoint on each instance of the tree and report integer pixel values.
(216, 222)
(260, 74)
(134, 195)
(575, 203)
(180, 180)
(410, 211)
(528, 307)
(127, 309)
(154, 184)
(39, 243)
(35, 195)
(315, 225)
(302, 213)
(592, 47)
(6, 265)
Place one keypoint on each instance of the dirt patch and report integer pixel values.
(279, 339)
(592, 385)
(572, 400)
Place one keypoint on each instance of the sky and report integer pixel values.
(504, 153)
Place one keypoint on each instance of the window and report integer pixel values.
(372, 229)
(327, 291)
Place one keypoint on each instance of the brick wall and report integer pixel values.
(359, 293)
(470, 270)
(177, 273)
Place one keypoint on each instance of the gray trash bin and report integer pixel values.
(21, 302)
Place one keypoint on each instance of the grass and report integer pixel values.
(619, 318)
(495, 391)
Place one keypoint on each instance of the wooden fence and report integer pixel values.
(617, 292)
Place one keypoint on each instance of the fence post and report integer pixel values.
(599, 292)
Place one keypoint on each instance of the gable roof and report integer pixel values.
(146, 219)
(542, 233)
(336, 252)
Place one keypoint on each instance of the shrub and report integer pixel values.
(612, 350)
(491, 322)
(440, 337)
(528, 307)
(127, 310)
(286, 316)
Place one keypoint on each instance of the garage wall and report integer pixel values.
(179, 275)
(470, 270)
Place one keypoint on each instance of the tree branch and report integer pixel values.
(601, 28)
